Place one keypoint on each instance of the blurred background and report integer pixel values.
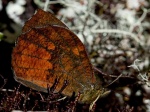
(116, 34)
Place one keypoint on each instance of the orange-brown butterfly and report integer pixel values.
(47, 50)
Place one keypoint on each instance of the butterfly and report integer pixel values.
(47, 50)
